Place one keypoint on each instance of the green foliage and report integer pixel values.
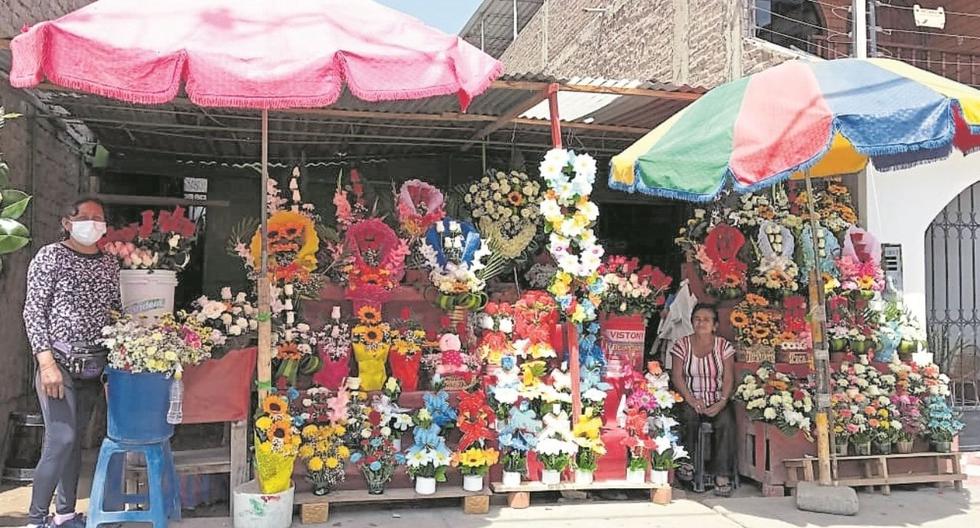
(13, 234)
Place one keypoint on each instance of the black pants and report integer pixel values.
(722, 462)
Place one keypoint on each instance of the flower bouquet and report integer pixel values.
(505, 207)
(371, 342)
(474, 456)
(776, 398)
(324, 453)
(163, 348)
(378, 456)
(556, 447)
(570, 214)
(277, 443)
(638, 445)
(941, 424)
(395, 420)
(419, 205)
(354, 403)
(724, 274)
(668, 451)
(160, 241)
(535, 316)
(503, 387)
(909, 414)
(333, 344)
(428, 458)
(631, 289)
(377, 265)
(405, 358)
(757, 324)
(588, 436)
(233, 316)
(517, 436)
(294, 347)
(496, 328)
(454, 252)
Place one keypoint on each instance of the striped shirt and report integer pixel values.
(704, 375)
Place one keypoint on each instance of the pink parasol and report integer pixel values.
(250, 54)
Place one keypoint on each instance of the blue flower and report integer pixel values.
(298, 421)
(355, 456)
(292, 393)
(375, 466)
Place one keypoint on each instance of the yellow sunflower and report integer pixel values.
(282, 430)
(373, 335)
(760, 332)
(739, 319)
(369, 314)
(273, 404)
(756, 300)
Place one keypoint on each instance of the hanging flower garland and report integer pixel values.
(454, 251)
(777, 273)
(570, 215)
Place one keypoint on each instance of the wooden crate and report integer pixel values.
(315, 509)
(762, 449)
(884, 470)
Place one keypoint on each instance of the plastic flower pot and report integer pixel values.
(659, 477)
(473, 482)
(378, 480)
(251, 508)
(137, 407)
(862, 448)
(859, 346)
(550, 477)
(942, 446)
(511, 478)
(883, 448)
(635, 476)
(837, 344)
(904, 447)
(425, 485)
(840, 448)
(584, 477)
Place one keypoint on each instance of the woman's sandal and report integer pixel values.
(723, 490)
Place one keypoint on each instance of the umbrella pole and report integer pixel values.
(821, 355)
(264, 366)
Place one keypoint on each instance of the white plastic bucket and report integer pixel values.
(550, 477)
(659, 477)
(583, 477)
(636, 476)
(147, 293)
(254, 509)
(425, 485)
(472, 482)
(511, 479)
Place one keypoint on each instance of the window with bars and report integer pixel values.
(788, 23)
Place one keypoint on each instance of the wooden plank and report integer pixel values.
(957, 485)
(132, 199)
(504, 119)
(535, 486)
(390, 495)
(476, 504)
(238, 445)
(923, 454)
(903, 479)
(883, 463)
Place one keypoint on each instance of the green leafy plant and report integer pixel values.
(13, 234)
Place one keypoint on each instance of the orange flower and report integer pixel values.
(756, 300)
(369, 314)
(287, 351)
(732, 280)
(372, 335)
(515, 198)
(760, 317)
(787, 336)
(281, 430)
(739, 319)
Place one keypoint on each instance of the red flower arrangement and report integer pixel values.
(378, 261)
(161, 240)
(419, 206)
(724, 273)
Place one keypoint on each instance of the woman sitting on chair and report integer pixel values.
(704, 373)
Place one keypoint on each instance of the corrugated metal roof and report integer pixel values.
(491, 28)
(599, 123)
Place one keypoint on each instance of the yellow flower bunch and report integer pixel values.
(475, 460)
(324, 453)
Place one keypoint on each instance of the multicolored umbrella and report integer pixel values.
(830, 117)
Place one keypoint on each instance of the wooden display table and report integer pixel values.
(316, 509)
(762, 448)
(519, 496)
(884, 470)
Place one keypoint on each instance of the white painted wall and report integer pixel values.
(898, 207)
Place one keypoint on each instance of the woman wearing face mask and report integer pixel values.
(704, 373)
(71, 290)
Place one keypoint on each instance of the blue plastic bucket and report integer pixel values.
(137, 407)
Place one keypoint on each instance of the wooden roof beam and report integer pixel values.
(507, 117)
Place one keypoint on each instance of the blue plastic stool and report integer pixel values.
(107, 501)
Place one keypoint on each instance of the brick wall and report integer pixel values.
(697, 42)
(30, 147)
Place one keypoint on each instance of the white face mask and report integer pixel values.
(87, 232)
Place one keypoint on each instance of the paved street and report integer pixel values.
(925, 507)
